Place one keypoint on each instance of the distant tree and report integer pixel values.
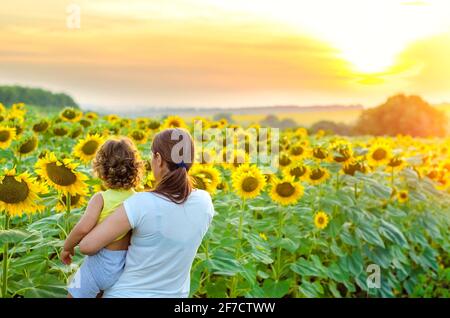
(226, 116)
(400, 114)
(34, 96)
(288, 123)
(275, 122)
(332, 128)
(270, 121)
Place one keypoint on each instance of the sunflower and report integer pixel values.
(343, 153)
(70, 114)
(284, 160)
(61, 174)
(85, 123)
(321, 154)
(2, 108)
(138, 136)
(396, 163)
(263, 236)
(27, 145)
(153, 124)
(91, 116)
(402, 196)
(60, 130)
(86, 148)
(353, 165)
(41, 126)
(321, 220)
(286, 191)
(19, 193)
(379, 154)
(112, 118)
(318, 175)
(208, 172)
(76, 201)
(297, 170)
(200, 182)
(7, 134)
(298, 151)
(248, 184)
(174, 122)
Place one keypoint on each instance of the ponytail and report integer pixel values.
(176, 185)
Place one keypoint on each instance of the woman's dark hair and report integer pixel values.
(176, 149)
(118, 164)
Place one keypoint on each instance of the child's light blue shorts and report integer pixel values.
(98, 273)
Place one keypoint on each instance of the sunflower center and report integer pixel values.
(60, 131)
(89, 148)
(285, 161)
(319, 153)
(298, 171)
(379, 154)
(297, 151)
(4, 135)
(13, 191)
(60, 175)
(28, 146)
(285, 189)
(69, 114)
(250, 184)
(321, 220)
(403, 195)
(199, 183)
(316, 174)
(40, 127)
(137, 135)
(395, 162)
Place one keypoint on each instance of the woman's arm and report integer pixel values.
(113, 226)
(83, 227)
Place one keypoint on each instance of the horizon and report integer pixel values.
(228, 54)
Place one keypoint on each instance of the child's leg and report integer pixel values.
(83, 284)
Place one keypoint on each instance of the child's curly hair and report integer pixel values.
(118, 164)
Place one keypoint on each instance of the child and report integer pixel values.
(118, 165)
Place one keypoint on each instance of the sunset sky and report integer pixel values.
(229, 53)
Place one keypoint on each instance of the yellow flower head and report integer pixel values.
(248, 184)
(70, 114)
(86, 148)
(286, 191)
(318, 175)
(7, 135)
(402, 196)
(61, 174)
(19, 193)
(321, 220)
(208, 172)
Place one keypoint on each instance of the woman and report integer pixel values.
(168, 225)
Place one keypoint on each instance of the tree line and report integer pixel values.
(34, 96)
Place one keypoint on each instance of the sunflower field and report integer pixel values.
(337, 211)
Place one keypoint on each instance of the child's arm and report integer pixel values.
(83, 227)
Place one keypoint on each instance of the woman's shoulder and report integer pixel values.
(201, 194)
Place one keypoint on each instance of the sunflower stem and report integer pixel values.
(279, 235)
(5, 260)
(235, 279)
(66, 217)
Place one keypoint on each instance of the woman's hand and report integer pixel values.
(66, 256)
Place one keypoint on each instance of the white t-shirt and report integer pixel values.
(164, 242)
